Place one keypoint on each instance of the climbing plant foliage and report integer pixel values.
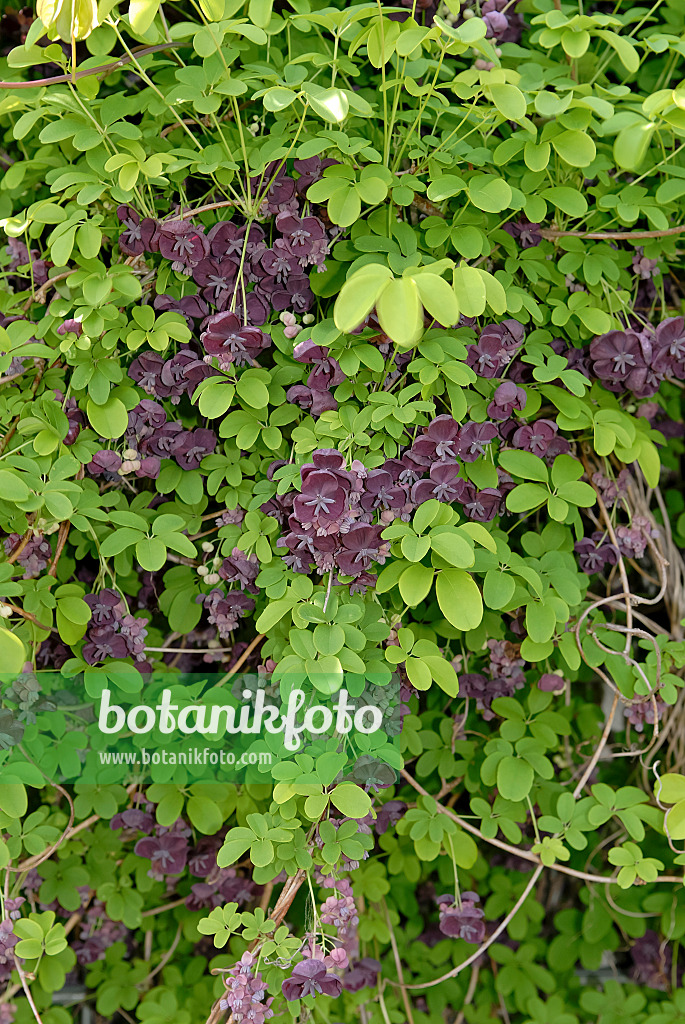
(342, 360)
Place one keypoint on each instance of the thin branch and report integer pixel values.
(488, 942)
(104, 69)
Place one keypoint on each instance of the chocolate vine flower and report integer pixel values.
(182, 243)
(507, 398)
(168, 854)
(138, 236)
(311, 400)
(463, 920)
(444, 484)
(226, 337)
(535, 437)
(311, 978)
(362, 974)
(440, 440)
(362, 545)
(474, 439)
(216, 278)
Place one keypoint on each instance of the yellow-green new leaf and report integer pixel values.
(400, 313)
(359, 295)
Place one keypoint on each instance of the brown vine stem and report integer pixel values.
(241, 660)
(61, 541)
(470, 993)
(31, 618)
(14, 554)
(41, 293)
(398, 965)
(167, 906)
(598, 752)
(69, 832)
(105, 69)
(207, 208)
(290, 889)
(27, 990)
(584, 876)
(488, 942)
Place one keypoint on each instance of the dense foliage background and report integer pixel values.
(344, 345)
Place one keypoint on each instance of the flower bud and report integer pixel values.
(212, 578)
(202, 570)
(207, 546)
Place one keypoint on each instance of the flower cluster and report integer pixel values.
(245, 994)
(311, 977)
(233, 268)
(112, 631)
(34, 555)
(504, 678)
(640, 361)
(149, 438)
(315, 396)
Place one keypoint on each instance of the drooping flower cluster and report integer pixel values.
(462, 919)
(234, 269)
(149, 438)
(315, 396)
(341, 912)
(97, 933)
(112, 632)
(640, 361)
(504, 678)
(8, 941)
(34, 556)
(245, 994)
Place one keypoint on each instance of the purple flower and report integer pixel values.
(310, 978)
(312, 401)
(463, 920)
(192, 307)
(103, 643)
(217, 278)
(193, 446)
(183, 243)
(535, 437)
(362, 545)
(481, 506)
(440, 440)
(444, 484)
(322, 500)
(362, 974)
(310, 170)
(474, 439)
(239, 568)
(224, 336)
(168, 854)
(138, 236)
(507, 398)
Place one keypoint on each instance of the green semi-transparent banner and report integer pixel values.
(121, 727)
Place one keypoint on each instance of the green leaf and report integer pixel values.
(514, 778)
(498, 589)
(526, 497)
(459, 598)
(524, 464)
(13, 798)
(12, 487)
(151, 553)
(438, 299)
(399, 312)
(509, 100)
(12, 655)
(451, 546)
(489, 193)
(110, 419)
(670, 788)
(627, 53)
(568, 200)
(415, 584)
(470, 289)
(359, 295)
(351, 800)
(576, 148)
(631, 145)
